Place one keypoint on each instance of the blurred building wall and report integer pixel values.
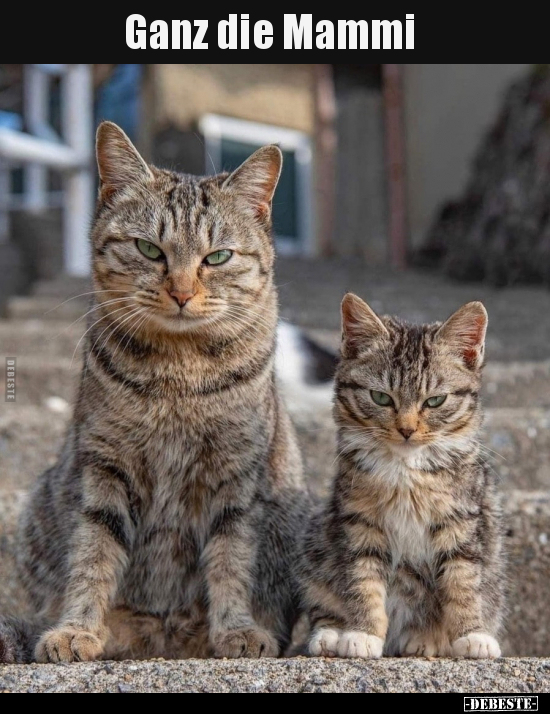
(177, 96)
(361, 201)
(447, 109)
(279, 94)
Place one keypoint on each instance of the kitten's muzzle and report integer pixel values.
(182, 298)
(407, 433)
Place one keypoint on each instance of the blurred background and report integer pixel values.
(399, 180)
(420, 187)
(440, 166)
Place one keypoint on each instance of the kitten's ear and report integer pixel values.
(255, 181)
(360, 325)
(465, 332)
(118, 161)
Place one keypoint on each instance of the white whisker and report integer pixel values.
(75, 297)
(93, 309)
(109, 314)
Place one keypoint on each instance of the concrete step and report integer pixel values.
(12, 596)
(506, 384)
(527, 541)
(518, 446)
(30, 440)
(300, 675)
(517, 440)
(517, 384)
(38, 307)
(60, 298)
(40, 339)
(62, 287)
(311, 292)
(528, 547)
(38, 379)
(511, 384)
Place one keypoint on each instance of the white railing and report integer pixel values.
(42, 148)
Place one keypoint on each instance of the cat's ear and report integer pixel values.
(255, 181)
(119, 162)
(465, 333)
(360, 326)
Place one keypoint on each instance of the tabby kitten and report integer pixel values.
(167, 525)
(406, 558)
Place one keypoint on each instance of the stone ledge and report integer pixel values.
(271, 676)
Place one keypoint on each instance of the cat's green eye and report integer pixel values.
(149, 250)
(436, 402)
(219, 257)
(383, 400)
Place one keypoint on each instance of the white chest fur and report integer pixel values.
(408, 535)
(400, 482)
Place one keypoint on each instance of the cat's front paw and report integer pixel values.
(324, 642)
(250, 642)
(359, 645)
(330, 642)
(477, 645)
(421, 645)
(68, 644)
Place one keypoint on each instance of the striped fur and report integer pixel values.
(165, 529)
(406, 557)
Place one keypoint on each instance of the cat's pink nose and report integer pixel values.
(182, 298)
(407, 433)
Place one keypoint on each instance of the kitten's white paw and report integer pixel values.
(359, 645)
(421, 646)
(324, 642)
(477, 645)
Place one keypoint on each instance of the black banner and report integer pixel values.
(385, 33)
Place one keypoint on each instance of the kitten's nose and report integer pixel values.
(407, 433)
(182, 298)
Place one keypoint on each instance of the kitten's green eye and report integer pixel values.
(436, 402)
(149, 250)
(219, 257)
(383, 400)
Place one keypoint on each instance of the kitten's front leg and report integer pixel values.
(365, 635)
(460, 583)
(355, 624)
(229, 560)
(97, 559)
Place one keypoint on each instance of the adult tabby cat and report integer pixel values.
(406, 557)
(167, 526)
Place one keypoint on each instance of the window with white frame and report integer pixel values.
(229, 142)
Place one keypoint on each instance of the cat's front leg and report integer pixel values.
(367, 573)
(460, 582)
(365, 633)
(355, 624)
(229, 560)
(97, 559)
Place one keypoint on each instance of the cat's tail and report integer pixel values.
(18, 639)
